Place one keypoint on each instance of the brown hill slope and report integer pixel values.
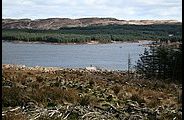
(56, 23)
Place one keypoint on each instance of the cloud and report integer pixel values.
(121, 9)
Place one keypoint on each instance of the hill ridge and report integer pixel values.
(56, 23)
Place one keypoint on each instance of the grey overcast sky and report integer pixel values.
(120, 9)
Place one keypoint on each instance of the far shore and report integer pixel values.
(87, 43)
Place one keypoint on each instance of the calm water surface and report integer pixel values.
(107, 56)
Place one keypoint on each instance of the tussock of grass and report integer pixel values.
(116, 89)
(14, 116)
(12, 97)
(136, 97)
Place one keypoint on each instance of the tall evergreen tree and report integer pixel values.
(161, 63)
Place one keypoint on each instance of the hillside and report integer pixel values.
(56, 23)
(101, 34)
(48, 93)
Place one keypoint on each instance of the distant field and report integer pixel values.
(102, 34)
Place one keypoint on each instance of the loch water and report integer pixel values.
(113, 56)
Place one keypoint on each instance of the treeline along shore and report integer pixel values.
(100, 34)
(58, 93)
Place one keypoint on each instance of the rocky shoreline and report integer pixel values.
(47, 93)
(88, 43)
(39, 42)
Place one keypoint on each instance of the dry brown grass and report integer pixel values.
(153, 93)
(55, 95)
(14, 116)
(152, 98)
(12, 97)
(116, 89)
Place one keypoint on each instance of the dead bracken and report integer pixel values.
(57, 93)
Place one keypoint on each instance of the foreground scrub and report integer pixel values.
(56, 93)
